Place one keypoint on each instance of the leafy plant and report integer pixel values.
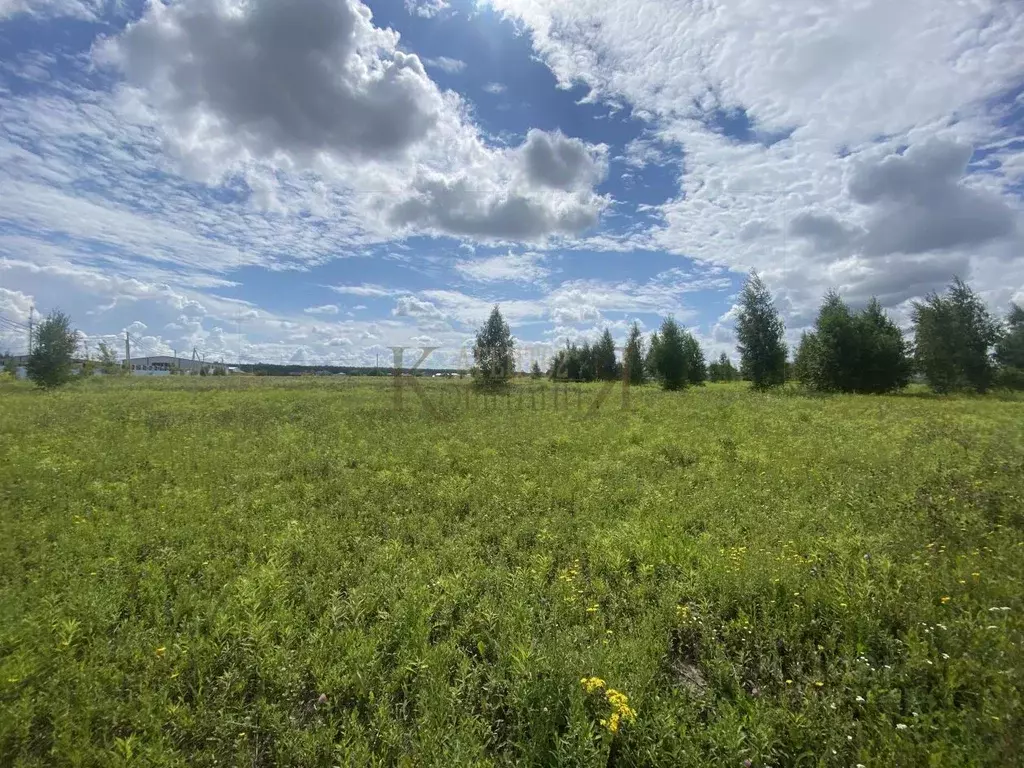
(954, 336)
(53, 349)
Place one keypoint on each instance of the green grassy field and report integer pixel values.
(255, 572)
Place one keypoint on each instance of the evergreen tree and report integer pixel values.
(606, 367)
(573, 363)
(670, 357)
(885, 356)
(1010, 350)
(588, 369)
(556, 370)
(805, 358)
(863, 352)
(651, 361)
(722, 369)
(494, 352)
(53, 350)
(535, 372)
(953, 338)
(696, 368)
(633, 357)
(837, 363)
(759, 330)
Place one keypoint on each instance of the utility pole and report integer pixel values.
(128, 352)
(31, 312)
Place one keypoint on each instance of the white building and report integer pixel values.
(162, 365)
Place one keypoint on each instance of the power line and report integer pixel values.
(12, 323)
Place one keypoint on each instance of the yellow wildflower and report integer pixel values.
(620, 704)
(946, 599)
(591, 684)
(612, 723)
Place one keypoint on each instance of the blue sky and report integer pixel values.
(320, 180)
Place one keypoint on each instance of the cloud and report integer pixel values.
(410, 306)
(554, 160)
(574, 315)
(917, 203)
(456, 208)
(446, 64)
(305, 77)
(428, 9)
(326, 309)
(840, 70)
(275, 92)
(15, 305)
(79, 9)
(922, 204)
(773, 111)
(495, 89)
(643, 152)
(827, 233)
(367, 289)
(516, 267)
(661, 295)
(191, 308)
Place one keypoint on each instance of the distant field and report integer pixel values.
(259, 572)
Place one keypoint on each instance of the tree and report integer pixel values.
(722, 369)
(852, 352)
(953, 339)
(606, 367)
(53, 350)
(1010, 350)
(494, 352)
(651, 361)
(805, 358)
(535, 372)
(886, 354)
(633, 356)
(670, 356)
(759, 330)
(587, 367)
(108, 360)
(835, 364)
(696, 368)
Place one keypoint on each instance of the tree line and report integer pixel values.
(958, 345)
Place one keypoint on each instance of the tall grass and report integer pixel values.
(301, 572)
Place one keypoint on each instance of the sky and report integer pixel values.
(319, 181)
